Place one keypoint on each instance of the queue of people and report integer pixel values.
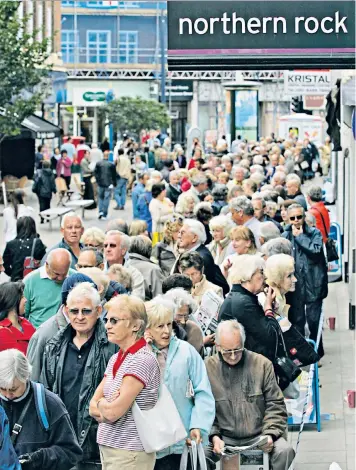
(94, 327)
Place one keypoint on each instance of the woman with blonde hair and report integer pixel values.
(185, 205)
(184, 374)
(93, 237)
(138, 227)
(165, 252)
(161, 208)
(220, 228)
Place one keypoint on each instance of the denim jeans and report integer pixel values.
(104, 196)
(120, 192)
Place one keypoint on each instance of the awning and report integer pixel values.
(41, 128)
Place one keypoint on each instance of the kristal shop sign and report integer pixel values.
(237, 34)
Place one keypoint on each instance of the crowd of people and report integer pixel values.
(94, 326)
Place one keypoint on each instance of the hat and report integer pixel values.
(71, 282)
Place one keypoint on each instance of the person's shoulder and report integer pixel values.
(145, 358)
(211, 362)
(256, 359)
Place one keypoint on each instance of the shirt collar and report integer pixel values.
(141, 343)
(43, 272)
(194, 248)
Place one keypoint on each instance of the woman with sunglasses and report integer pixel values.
(132, 375)
(165, 252)
(184, 373)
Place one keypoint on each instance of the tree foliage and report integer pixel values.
(22, 69)
(135, 114)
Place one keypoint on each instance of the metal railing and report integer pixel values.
(100, 55)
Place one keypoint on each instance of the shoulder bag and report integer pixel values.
(330, 245)
(30, 263)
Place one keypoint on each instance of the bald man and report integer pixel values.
(43, 286)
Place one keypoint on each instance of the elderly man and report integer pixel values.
(173, 189)
(43, 287)
(74, 363)
(279, 179)
(90, 258)
(192, 237)
(72, 230)
(277, 246)
(242, 213)
(118, 224)
(259, 207)
(116, 246)
(199, 185)
(239, 175)
(268, 231)
(46, 439)
(310, 271)
(293, 184)
(248, 400)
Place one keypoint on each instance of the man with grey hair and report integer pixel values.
(248, 400)
(279, 179)
(242, 213)
(199, 185)
(259, 207)
(268, 231)
(293, 185)
(192, 237)
(118, 224)
(239, 174)
(277, 246)
(72, 230)
(44, 437)
(116, 247)
(43, 287)
(69, 362)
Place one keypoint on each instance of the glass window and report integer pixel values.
(128, 47)
(98, 47)
(69, 42)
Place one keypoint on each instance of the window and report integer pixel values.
(67, 3)
(69, 44)
(128, 47)
(98, 47)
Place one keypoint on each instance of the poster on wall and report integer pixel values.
(246, 114)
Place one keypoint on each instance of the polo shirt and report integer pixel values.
(72, 376)
(12, 338)
(137, 361)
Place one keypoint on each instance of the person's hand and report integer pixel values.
(31, 461)
(195, 435)
(268, 447)
(297, 231)
(209, 340)
(94, 411)
(148, 337)
(227, 265)
(270, 298)
(218, 445)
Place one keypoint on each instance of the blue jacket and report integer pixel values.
(183, 365)
(8, 457)
(136, 193)
(144, 209)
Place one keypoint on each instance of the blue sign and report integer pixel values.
(335, 267)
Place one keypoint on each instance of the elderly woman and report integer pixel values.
(219, 194)
(140, 253)
(38, 448)
(161, 208)
(243, 242)
(183, 372)
(191, 264)
(15, 330)
(138, 227)
(117, 273)
(185, 306)
(220, 228)
(133, 374)
(93, 237)
(185, 205)
(242, 304)
(165, 252)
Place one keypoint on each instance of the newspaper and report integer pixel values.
(252, 444)
(207, 313)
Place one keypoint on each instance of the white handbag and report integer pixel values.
(197, 457)
(161, 426)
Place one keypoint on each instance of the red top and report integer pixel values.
(141, 343)
(12, 338)
(320, 212)
(185, 184)
(191, 164)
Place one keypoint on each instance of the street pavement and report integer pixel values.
(336, 441)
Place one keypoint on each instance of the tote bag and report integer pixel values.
(161, 426)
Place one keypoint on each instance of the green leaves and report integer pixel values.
(135, 114)
(22, 71)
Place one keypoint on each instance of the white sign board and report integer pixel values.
(307, 82)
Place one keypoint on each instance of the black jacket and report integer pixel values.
(105, 173)
(51, 376)
(244, 307)
(211, 270)
(173, 193)
(58, 448)
(15, 253)
(44, 184)
(298, 199)
(310, 264)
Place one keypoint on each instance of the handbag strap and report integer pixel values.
(33, 248)
(322, 218)
(279, 334)
(17, 428)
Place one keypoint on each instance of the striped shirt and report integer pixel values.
(139, 362)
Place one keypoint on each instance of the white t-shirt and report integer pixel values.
(10, 221)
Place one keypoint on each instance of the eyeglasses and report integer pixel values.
(84, 311)
(114, 321)
(182, 317)
(296, 217)
(110, 245)
(231, 352)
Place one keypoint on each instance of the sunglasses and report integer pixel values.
(296, 217)
(91, 245)
(114, 321)
(85, 311)
(231, 352)
(110, 245)
(177, 218)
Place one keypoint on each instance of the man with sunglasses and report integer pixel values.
(310, 271)
(74, 363)
(248, 400)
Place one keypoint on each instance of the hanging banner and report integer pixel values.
(304, 83)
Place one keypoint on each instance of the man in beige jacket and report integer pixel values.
(123, 171)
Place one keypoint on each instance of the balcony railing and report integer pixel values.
(113, 5)
(124, 55)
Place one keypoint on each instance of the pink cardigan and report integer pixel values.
(67, 165)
